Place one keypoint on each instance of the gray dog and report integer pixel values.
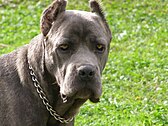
(45, 82)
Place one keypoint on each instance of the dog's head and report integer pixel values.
(76, 48)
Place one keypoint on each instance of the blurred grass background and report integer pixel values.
(135, 80)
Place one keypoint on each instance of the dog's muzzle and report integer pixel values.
(86, 84)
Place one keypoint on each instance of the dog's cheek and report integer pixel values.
(50, 62)
(97, 87)
(67, 85)
(102, 62)
(69, 80)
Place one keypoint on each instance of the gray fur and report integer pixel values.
(58, 71)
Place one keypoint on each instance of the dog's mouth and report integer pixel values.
(83, 94)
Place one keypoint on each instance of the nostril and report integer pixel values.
(86, 72)
(91, 74)
(82, 73)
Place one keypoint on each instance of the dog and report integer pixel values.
(44, 83)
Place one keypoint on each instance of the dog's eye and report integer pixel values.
(100, 47)
(64, 47)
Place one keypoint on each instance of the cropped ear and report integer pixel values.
(50, 15)
(96, 8)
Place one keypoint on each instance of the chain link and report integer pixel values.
(44, 99)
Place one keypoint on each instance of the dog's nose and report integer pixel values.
(86, 72)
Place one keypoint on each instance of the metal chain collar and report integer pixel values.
(44, 99)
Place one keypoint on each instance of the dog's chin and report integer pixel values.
(92, 99)
(84, 94)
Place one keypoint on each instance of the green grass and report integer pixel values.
(135, 80)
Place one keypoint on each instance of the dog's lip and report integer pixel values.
(91, 97)
(94, 100)
(82, 95)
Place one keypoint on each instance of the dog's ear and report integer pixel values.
(96, 8)
(50, 14)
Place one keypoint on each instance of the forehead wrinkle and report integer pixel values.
(81, 28)
(79, 24)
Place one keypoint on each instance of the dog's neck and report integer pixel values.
(48, 82)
